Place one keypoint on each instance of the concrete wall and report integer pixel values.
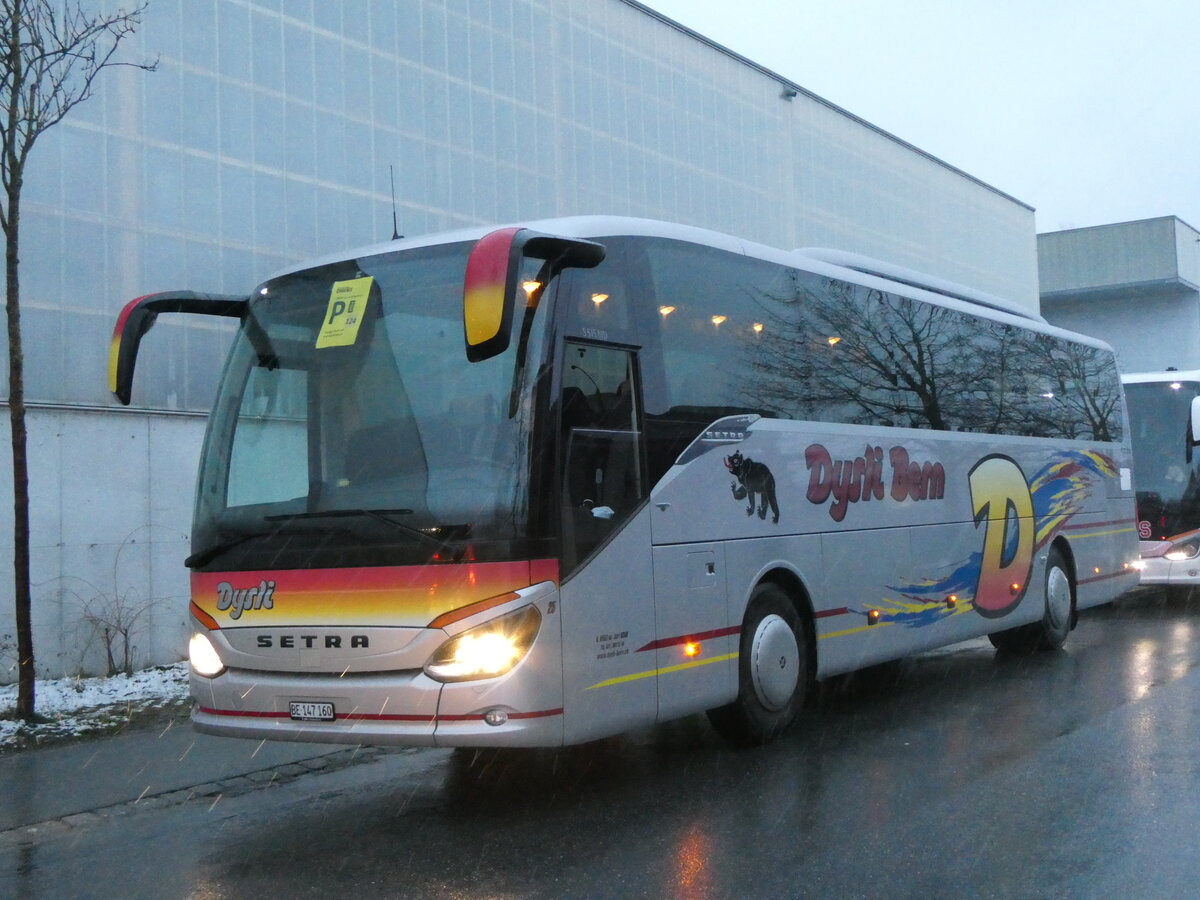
(1133, 284)
(110, 520)
(1148, 332)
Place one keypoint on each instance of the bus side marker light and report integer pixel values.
(952, 601)
(691, 648)
(873, 617)
(495, 717)
(1015, 588)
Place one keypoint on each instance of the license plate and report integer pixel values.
(304, 711)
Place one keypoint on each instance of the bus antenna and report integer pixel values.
(396, 235)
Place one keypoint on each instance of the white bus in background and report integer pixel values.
(1164, 419)
(544, 484)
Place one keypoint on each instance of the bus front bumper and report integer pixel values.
(395, 708)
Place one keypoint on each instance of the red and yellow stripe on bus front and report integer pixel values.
(402, 596)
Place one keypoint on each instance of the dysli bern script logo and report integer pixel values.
(238, 600)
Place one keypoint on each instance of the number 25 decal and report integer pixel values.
(1003, 505)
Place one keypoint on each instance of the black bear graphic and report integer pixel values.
(753, 478)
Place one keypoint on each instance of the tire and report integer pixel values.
(773, 670)
(1057, 617)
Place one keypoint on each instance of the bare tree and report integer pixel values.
(53, 52)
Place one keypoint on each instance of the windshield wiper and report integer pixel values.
(208, 554)
(385, 516)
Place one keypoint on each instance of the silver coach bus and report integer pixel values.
(547, 483)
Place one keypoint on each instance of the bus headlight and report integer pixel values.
(486, 650)
(1184, 550)
(203, 657)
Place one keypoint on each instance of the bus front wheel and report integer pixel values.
(772, 670)
(1051, 632)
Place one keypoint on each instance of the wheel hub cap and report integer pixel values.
(1058, 598)
(775, 662)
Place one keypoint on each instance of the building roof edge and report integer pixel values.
(800, 89)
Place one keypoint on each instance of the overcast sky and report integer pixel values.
(1087, 111)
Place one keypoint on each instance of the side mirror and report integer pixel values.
(1192, 438)
(491, 284)
(137, 317)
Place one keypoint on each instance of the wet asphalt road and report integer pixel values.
(956, 773)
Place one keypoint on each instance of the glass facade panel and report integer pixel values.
(234, 49)
(301, 218)
(84, 264)
(41, 240)
(433, 37)
(42, 338)
(267, 50)
(237, 220)
(83, 375)
(198, 93)
(201, 199)
(236, 122)
(299, 70)
(328, 65)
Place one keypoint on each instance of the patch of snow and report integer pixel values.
(76, 706)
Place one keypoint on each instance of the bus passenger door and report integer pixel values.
(607, 601)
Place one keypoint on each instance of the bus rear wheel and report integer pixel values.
(773, 670)
(1051, 632)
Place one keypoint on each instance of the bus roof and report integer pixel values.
(1164, 375)
(844, 265)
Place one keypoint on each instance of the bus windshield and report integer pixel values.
(350, 429)
(1168, 482)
